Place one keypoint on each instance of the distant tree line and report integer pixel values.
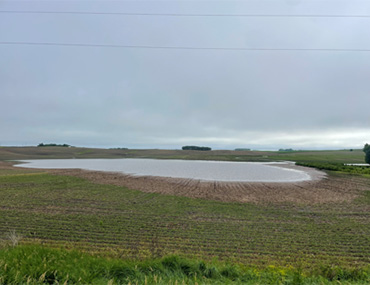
(286, 149)
(366, 150)
(242, 149)
(53, 144)
(193, 147)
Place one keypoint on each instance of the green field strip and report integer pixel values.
(106, 241)
(349, 237)
(344, 237)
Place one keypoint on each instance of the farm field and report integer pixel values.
(107, 216)
(341, 156)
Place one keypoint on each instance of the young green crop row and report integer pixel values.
(250, 233)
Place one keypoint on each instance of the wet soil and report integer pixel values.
(321, 189)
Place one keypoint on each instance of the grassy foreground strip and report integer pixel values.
(34, 264)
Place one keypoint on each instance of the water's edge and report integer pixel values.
(190, 169)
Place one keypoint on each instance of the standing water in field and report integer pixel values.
(190, 169)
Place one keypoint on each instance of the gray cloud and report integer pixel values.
(167, 98)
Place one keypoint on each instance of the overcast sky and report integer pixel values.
(167, 98)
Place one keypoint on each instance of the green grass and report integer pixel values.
(339, 167)
(39, 265)
(365, 198)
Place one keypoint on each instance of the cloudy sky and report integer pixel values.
(167, 96)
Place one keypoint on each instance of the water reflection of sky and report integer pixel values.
(202, 170)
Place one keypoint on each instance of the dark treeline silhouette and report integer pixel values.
(193, 147)
(53, 144)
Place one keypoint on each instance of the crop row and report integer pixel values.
(319, 242)
(187, 228)
(69, 211)
(233, 246)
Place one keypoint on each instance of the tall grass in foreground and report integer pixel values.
(34, 264)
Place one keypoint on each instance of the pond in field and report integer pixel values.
(193, 169)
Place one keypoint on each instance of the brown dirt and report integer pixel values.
(6, 165)
(321, 189)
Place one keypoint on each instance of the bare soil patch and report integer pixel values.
(6, 165)
(321, 189)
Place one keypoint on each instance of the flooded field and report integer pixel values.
(186, 169)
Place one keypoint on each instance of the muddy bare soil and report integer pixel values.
(321, 189)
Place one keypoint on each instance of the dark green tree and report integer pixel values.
(193, 147)
(366, 150)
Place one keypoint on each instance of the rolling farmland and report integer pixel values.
(72, 212)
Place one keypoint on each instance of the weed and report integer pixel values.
(13, 237)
